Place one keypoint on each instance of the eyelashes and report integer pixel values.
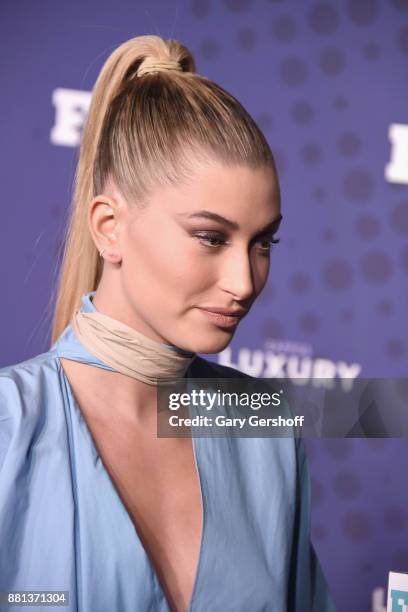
(208, 239)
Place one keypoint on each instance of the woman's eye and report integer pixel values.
(268, 242)
(210, 240)
(214, 241)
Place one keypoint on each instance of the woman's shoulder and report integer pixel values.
(24, 386)
(28, 371)
(29, 392)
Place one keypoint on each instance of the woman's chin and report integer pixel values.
(214, 344)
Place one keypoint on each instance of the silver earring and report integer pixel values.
(101, 252)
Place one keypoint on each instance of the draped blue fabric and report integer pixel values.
(64, 527)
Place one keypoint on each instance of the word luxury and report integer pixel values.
(303, 369)
(240, 422)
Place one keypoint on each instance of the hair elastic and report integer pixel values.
(150, 65)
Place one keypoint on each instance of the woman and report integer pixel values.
(175, 209)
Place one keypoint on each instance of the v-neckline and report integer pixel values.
(198, 471)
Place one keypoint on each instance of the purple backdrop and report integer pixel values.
(327, 82)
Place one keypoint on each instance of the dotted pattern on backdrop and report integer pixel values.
(324, 80)
(360, 246)
(363, 524)
(363, 257)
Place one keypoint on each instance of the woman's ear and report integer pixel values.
(103, 222)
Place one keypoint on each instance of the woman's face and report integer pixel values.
(180, 259)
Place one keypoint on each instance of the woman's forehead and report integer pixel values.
(222, 188)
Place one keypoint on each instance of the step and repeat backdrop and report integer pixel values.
(328, 84)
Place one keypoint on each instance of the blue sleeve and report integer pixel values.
(8, 399)
(308, 591)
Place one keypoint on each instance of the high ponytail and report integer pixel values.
(143, 131)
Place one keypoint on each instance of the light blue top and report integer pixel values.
(64, 527)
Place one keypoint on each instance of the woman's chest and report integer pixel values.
(157, 482)
(152, 518)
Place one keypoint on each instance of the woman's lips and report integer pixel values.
(221, 320)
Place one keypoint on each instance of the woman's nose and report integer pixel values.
(237, 276)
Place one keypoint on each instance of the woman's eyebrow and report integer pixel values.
(207, 214)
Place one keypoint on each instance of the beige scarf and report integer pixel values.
(129, 351)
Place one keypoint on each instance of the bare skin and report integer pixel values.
(155, 478)
(160, 269)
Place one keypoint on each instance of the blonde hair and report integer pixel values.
(143, 131)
